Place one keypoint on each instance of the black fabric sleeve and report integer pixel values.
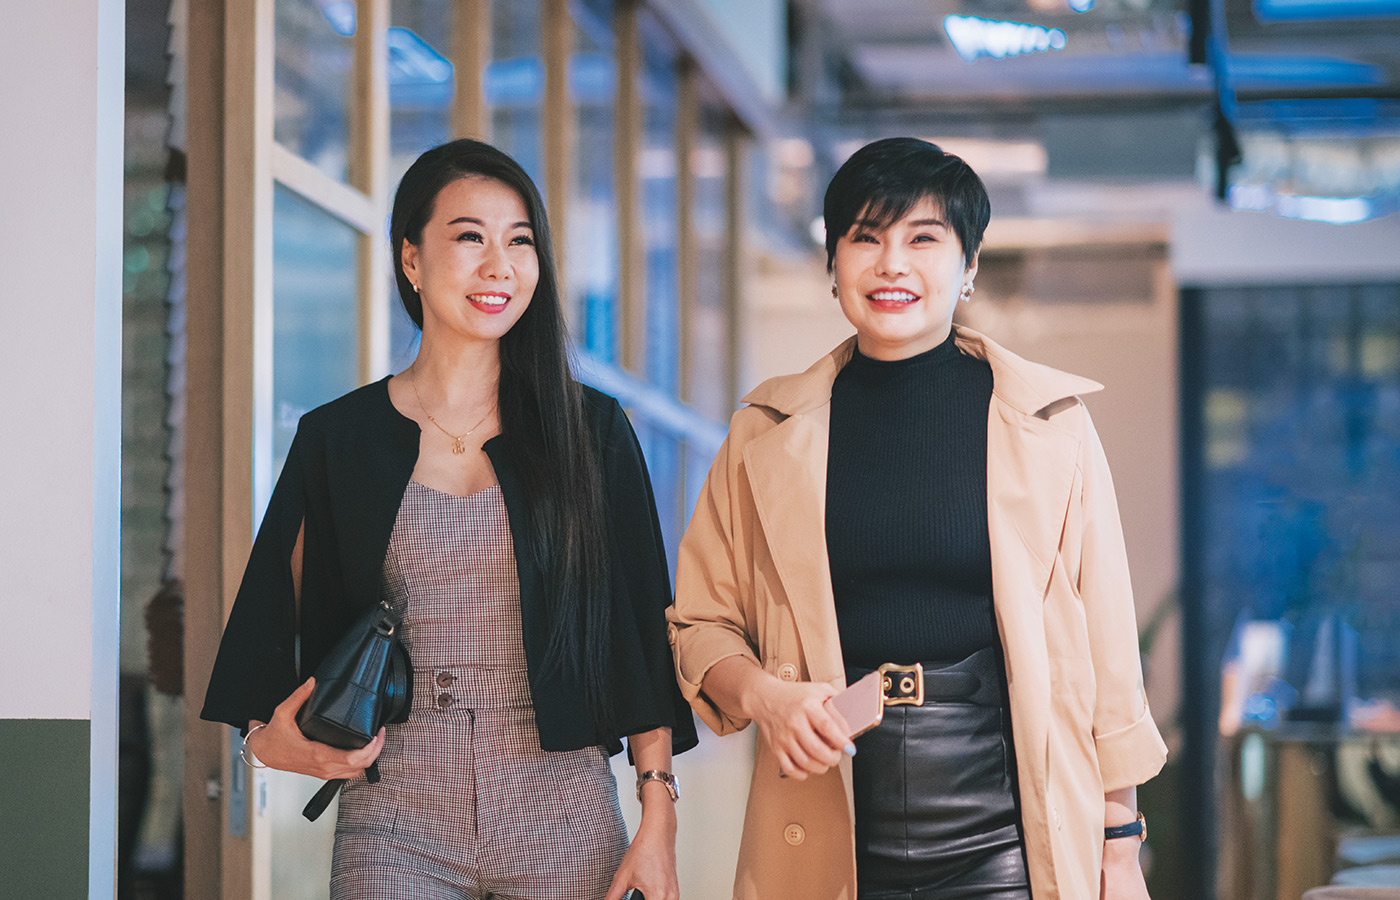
(256, 664)
(644, 687)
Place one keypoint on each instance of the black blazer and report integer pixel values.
(345, 476)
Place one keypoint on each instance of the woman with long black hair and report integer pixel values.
(505, 510)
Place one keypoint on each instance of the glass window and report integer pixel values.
(314, 345)
(656, 170)
(421, 80)
(421, 85)
(656, 173)
(709, 330)
(312, 77)
(1299, 475)
(514, 83)
(665, 454)
(592, 264)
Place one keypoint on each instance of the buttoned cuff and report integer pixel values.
(697, 648)
(1130, 755)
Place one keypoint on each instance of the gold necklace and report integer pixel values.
(458, 448)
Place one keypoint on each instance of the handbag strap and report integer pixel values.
(322, 798)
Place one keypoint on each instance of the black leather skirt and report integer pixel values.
(935, 792)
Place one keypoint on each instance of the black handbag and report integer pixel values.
(364, 682)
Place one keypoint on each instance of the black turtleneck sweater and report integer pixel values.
(906, 508)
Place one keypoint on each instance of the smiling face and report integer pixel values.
(899, 286)
(475, 265)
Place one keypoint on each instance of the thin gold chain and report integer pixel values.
(458, 447)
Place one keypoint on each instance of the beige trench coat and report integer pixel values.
(753, 580)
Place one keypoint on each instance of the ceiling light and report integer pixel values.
(973, 37)
(1333, 210)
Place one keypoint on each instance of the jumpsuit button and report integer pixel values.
(445, 679)
(787, 672)
(794, 834)
(445, 700)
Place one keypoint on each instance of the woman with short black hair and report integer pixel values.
(504, 509)
(922, 503)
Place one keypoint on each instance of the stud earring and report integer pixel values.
(834, 295)
(416, 290)
(966, 294)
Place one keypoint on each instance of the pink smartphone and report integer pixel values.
(862, 704)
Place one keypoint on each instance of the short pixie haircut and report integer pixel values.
(885, 179)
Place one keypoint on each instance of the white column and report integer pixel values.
(61, 102)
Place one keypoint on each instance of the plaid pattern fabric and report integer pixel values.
(468, 805)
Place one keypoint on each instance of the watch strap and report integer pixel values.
(1136, 828)
(666, 778)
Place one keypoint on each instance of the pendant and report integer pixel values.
(458, 448)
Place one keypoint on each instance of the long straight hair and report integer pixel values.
(542, 414)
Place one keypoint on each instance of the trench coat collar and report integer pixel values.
(1027, 387)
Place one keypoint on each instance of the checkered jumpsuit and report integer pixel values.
(468, 805)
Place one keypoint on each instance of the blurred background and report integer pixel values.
(1193, 203)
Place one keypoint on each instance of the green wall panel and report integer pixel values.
(44, 773)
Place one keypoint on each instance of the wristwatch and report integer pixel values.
(1136, 828)
(666, 778)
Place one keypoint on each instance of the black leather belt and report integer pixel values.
(975, 679)
(912, 685)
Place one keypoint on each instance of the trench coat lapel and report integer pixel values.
(787, 470)
(1030, 473)
(787, 473)
(1031, 465)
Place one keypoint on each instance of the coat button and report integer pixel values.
(787, 672)
(794, 834)
(445, 700)
(445, 679)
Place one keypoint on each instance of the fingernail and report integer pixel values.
(850, 749)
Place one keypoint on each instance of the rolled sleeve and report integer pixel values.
(1130, 748)
(697, 650)
(1130, 755)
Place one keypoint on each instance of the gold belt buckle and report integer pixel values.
(911, 684)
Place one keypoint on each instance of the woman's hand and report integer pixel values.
(281, 745)
(1121, 878)
(805, 733)
(649, 866)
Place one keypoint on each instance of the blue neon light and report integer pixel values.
(1322, 10)
(974, 37)
(341, 15)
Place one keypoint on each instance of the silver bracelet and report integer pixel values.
(243, 752)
